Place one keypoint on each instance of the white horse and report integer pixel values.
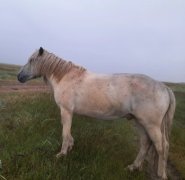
(150, 103)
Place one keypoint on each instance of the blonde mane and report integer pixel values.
(50, 64)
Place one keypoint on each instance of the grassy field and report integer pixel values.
(30, 137)
(8, 72)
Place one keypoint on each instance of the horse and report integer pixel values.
(108, 96)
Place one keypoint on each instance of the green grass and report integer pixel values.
(177, 87)
(177, 148)
(30, 138)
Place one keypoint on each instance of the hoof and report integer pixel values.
(131, 167)
(60, 154)
(164, 177)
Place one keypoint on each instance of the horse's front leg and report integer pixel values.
(66, 121)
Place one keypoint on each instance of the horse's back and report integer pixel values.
(129, 89)
(134, 83)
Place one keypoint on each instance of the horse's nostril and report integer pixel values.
(20, 78)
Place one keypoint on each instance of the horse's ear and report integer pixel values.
(41, 51)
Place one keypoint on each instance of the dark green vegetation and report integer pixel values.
(30, 137)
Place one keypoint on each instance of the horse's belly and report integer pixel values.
(106, 114)
(103, 116)
(101, 103)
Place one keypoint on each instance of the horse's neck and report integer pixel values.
(51, 81)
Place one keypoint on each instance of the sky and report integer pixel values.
(105, 36)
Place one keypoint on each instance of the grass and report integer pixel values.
(30, 137)
(8, 72)
(177, 148)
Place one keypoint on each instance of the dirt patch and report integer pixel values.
(7, 86)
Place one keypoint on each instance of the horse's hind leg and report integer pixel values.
(156, 136)
(66, 120)
(145, 143)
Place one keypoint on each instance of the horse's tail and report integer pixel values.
(168, 118)
(167, 123)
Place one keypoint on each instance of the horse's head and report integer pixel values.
(31, 69)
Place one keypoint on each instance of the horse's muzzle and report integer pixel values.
(21, 78)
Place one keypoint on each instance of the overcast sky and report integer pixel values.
(107, 36)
